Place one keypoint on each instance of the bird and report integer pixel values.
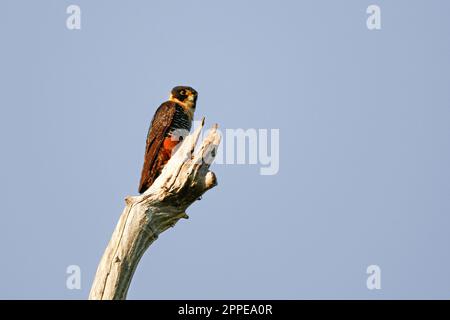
(171, 122)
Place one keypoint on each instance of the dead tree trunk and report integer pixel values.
(184, 179)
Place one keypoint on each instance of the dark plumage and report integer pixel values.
(171, 120)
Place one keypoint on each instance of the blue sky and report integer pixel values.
(364, 130)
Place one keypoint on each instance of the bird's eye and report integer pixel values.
(182, 92)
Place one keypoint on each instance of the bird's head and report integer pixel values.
(185, 96)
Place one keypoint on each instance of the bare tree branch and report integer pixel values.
(185, 178)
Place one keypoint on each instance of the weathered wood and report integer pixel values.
(185, 178)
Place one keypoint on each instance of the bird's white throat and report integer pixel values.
(188, 105)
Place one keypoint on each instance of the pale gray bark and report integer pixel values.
(184, 180)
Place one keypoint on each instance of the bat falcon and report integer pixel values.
(171, 119)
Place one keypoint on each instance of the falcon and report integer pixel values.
(171, 122)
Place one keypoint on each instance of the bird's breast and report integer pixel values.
(181, 120)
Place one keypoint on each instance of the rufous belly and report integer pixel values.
(168, 147)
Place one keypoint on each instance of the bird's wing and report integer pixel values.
(161, 123)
